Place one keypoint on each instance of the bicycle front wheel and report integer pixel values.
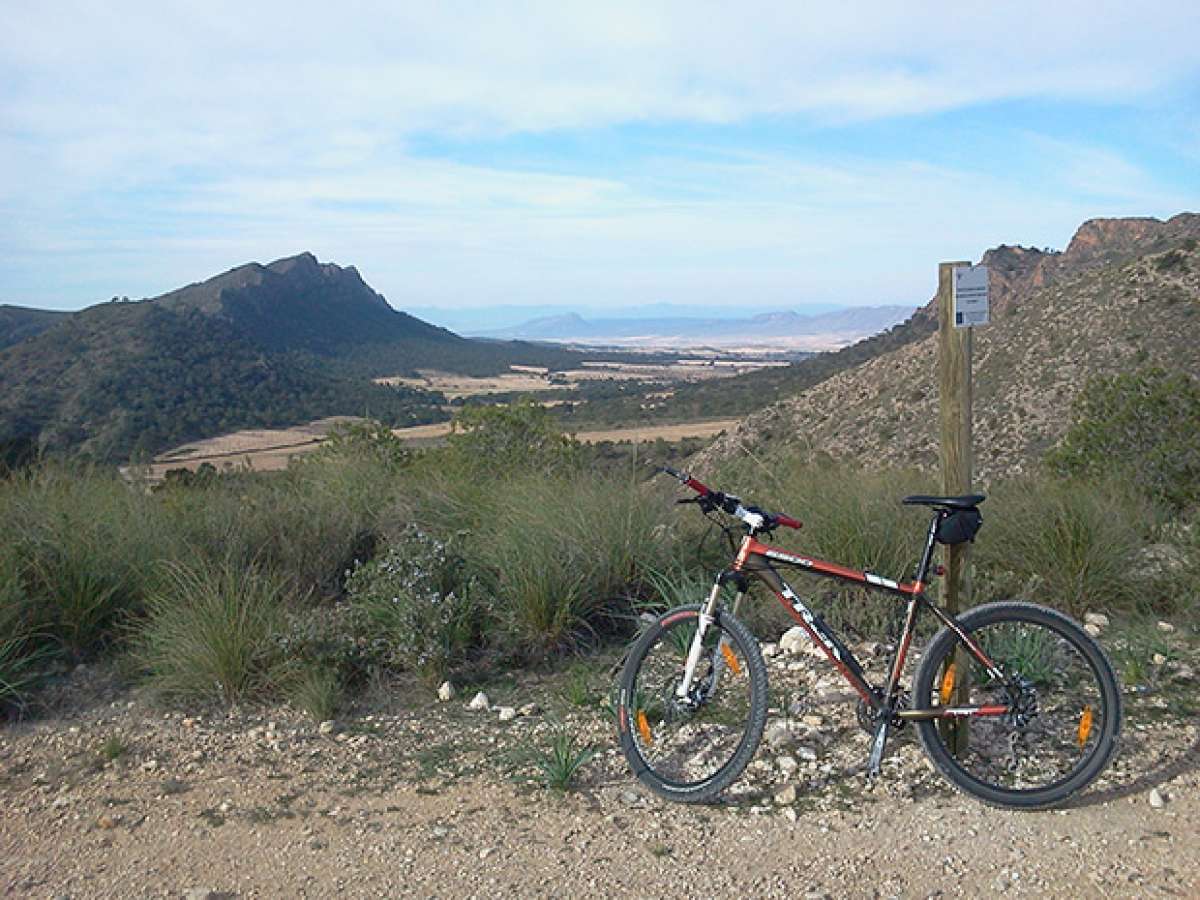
(688, 746)
(1064, 706)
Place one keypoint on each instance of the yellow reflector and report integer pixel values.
(731, 660)
(948, 682)
(1085, 725)
(644, 727)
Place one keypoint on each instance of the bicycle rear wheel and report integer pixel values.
(1064, 706)
(691, 748)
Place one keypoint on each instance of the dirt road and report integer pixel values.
(409, 797)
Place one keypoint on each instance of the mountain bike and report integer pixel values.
(1014, 703)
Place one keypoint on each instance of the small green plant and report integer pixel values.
(577, 691)
(560, 764)
(112, 748)
(1134, 646)
(317, 691)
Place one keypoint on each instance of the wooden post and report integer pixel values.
(954, 386)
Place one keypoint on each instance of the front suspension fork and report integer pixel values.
(708, 615)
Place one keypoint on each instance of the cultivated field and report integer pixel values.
(528, 379)
(269, 450)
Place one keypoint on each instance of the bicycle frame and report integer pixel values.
(757, 559)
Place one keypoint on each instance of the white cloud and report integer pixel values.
(211, 133)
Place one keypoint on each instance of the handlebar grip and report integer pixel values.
(688, 481)
(787, 521)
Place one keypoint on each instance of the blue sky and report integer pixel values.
(583, 155)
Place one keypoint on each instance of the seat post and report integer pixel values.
(927, 555)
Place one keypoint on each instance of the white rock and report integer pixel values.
(1092, 629)
(778, 735)
(787, 764)
(1157, 800)
(529, 709)
(808, 754)
(1159, 659)
(790, 815)
(479, 701)
(1100, 620)
(787, 796)
(507, 713)
(446, 691)
(769, 650)
(328, 727)
(1166, 627)
(793, 640)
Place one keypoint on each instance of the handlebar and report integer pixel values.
(756, 519)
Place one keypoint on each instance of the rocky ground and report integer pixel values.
(406, 795)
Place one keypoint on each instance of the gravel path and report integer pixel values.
(113, 797)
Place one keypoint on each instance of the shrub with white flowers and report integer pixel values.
(421, 606)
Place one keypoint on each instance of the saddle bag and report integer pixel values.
(959, 526)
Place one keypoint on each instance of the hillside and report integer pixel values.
(258, 346)
(20, 322)
(1125, 293)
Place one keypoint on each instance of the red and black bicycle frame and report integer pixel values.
(759, 560)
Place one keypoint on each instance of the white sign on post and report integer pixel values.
(970, 296)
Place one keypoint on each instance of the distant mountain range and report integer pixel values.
(257, 346)
(1124, 294)
(479, 320)
(790, 330)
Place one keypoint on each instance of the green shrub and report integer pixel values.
(370, 439)
(210, 633)
(420, 606)
(520, 436)
(1140, 426)
(1070, 544)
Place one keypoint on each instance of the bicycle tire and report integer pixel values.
(1076, 711)
(690, 755)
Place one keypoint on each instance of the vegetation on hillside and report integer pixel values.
(1142, 426)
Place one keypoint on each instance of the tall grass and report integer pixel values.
(88, 550)
(209, 633)
(1068, 544)
(19, 649)
(309, 523)
(564, 554)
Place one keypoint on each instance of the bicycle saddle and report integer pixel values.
(967, 501)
